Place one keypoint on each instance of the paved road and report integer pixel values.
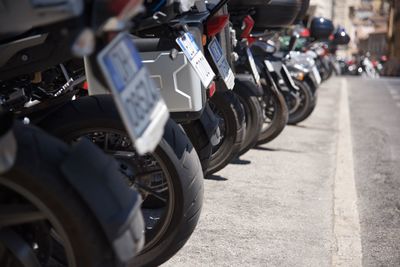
(300, 201)
(375, 116)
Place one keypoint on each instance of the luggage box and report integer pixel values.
(321, 28)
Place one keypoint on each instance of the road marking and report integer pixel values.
(395, 94)
(346, 226)
(392, 91)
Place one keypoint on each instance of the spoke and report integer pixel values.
(151, 192)
(15, 214)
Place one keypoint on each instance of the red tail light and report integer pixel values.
(305, 33)
(85, 85)
(212, 89)
(216, 24)
(248, 26)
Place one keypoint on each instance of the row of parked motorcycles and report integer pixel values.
(113, 113)
(363, 65)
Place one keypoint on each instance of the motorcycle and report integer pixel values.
(49, 191)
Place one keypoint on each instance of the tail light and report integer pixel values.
(85, 85)
(305, 33)
(216, 24)
(212, 89)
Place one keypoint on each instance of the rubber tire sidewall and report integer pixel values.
(232, 111)
(280, 120)
(37, 174)
(253, 116)
(176, 151)
(300, 114)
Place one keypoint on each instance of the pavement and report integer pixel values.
(324, 193)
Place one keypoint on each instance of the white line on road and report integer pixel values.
(392, 91)
(346, 222)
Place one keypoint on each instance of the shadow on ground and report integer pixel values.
(239, 161)
(276, 149)
(313, 128)
(215, 178)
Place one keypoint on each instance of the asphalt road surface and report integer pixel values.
(324, 193)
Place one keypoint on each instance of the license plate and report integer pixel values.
(317, 76)
(253, 66)
(139, 103)
(222, 64)
(196, 58)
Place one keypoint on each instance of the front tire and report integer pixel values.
(306, 102)
(275, 114)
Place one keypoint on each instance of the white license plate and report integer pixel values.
(140, 105)
(317, 76)
(196, 58)
(253, 66)
(222, 64)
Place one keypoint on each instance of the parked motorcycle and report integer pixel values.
(52, 213)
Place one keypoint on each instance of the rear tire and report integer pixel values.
(253, 116)
(36, 179)
(227, 106)
(175, 152)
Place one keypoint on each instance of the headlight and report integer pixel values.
(299, 75)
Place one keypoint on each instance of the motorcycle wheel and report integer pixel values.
(253, 116)
(305, 104)
(44, 207)
(314, 100)
(170, 179)
(275, 114)
(198, 137)
(230, 113)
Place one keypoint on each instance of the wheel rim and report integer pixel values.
(30, 227)
(148, 174)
